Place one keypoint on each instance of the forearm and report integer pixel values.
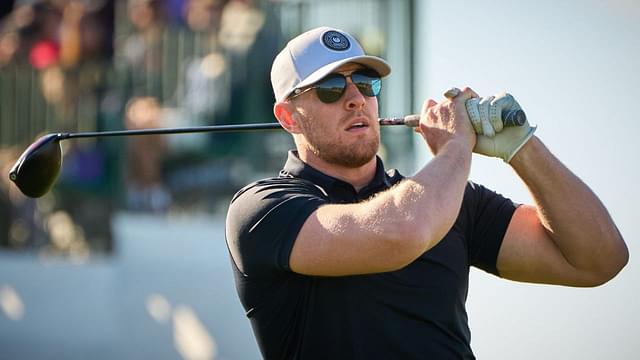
(573, 216)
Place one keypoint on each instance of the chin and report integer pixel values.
(346, 156)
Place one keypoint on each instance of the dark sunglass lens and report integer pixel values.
(331, 88)
(368, 82)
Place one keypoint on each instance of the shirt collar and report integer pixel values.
(298, 168)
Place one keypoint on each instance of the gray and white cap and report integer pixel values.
(313, 55)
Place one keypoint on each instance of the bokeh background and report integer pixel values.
(125, 258)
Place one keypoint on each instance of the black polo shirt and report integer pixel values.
(417, 312)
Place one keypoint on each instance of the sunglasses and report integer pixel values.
(331, 88)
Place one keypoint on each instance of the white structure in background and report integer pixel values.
(166, 293)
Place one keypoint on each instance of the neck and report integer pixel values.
(358, 177)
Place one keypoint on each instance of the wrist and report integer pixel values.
(457, 150)
(464, 146)
(525, 153)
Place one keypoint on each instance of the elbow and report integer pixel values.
(400, 249)
(611, 267)
(602, 277)
(617, 261)
(623, 258)
(410, 240)
(616, 266)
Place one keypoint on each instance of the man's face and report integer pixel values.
(345, 132)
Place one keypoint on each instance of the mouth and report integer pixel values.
(358, 124)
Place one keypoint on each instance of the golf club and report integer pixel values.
(38, 167)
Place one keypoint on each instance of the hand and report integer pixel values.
(494, 140)
(441, 123)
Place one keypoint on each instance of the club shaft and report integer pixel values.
(198, 129)
(182, 130)
(514, 118)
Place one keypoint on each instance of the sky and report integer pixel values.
(573, 67)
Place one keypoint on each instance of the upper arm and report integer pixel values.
(345, 240)
(263, 221)
(529, 254)
(286, 225)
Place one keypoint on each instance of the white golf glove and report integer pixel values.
(493, 139)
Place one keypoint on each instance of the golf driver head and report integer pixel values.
(38, 167)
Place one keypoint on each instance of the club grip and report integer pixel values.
(513, 118)
(509, 118)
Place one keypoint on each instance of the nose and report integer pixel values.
(354, 100)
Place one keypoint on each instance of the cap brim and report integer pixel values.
(373, 62)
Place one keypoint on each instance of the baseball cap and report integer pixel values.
(312, 55)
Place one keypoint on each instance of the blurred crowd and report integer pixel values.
(95, 65)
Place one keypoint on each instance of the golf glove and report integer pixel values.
(493, 139)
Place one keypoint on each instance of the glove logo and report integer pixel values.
(335, 41)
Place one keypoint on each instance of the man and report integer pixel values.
(337, 259)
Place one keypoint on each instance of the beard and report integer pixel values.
(336, 152)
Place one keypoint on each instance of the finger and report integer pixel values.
(495, 114)
(427, 105)
(483, 107)
(427, 108)
(469, 93)
(506, 102)
(452, 93)
(474, 114)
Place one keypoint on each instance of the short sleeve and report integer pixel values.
(489, 215)
(264, 219)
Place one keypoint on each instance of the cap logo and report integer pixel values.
(335, 41)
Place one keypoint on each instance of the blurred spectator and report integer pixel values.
(204, 15)
(141, 52)
(145, 190)
(53, 57)
(85, 49)
(241, 22)
(65, 45)
(250, 35)
(79, 65)
(84, 193)
(206, 97)
(43, 54)
(9, 42)
(206, 75)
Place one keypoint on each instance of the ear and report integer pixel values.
(284, 112)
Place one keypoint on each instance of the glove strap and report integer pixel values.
(532, 129)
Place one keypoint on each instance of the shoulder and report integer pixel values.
(483, 204)
(264, 218)
(278, 195)
(475, 193)
(276, 187)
